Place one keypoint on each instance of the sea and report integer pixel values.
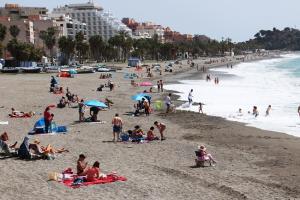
(274, 82)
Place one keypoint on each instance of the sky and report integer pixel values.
(236, 19)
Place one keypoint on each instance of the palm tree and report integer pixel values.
(2, 36)
(81, 46)
(49, 39)
(97, 46)
(67, 47)
(14, 31)
(2, 32)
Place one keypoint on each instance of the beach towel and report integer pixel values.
(19, 116)
(110, 178)
(3, 122)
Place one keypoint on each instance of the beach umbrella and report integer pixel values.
(139, 97)
(146, 84)
(95, 103)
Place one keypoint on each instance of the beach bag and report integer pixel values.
(158, 105)
(124, 137)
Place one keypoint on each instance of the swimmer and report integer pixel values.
(268, 110)
(255, 111)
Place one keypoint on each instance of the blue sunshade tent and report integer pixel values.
(139, 97)
(39, 128)
(95, 103)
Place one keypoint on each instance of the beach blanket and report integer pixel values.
(110, 178)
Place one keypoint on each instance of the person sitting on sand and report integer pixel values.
(93, 173)
(58, 90)
(82, 165)
(4, 146)
(137, 134)
(94, 113)
(48, 151)
(150, 135)
(161, 127)
(204, 156)
(62, 103)
(268, 110)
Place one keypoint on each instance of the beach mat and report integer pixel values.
(110, 178)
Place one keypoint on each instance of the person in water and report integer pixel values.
(255, 111)
(190, 97)
(268, 110)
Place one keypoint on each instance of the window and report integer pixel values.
(69, 25)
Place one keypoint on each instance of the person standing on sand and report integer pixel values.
(158, 86)
(117, 123)
(268, 110)
(161, 85)
(161, 127)
(168, 102)
(81, 108)
(299, 110)
(48, 117)
(190, 97)
(200, 107)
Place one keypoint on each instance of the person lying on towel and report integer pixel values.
(15, 113)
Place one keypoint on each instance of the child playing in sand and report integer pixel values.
(200, 107)
(150, 135)
(161, 127)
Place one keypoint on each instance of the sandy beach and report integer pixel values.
(252, 163)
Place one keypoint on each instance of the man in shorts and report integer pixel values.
(117, 123)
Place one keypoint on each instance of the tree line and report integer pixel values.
(121, 46)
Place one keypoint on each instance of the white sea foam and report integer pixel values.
(262, 83)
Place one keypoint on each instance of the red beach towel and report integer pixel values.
(109, 179)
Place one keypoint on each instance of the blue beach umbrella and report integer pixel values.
(95, 103)
(139, 97)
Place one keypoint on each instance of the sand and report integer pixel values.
(252, 163)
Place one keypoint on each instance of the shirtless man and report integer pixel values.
(117, 123)
(161, 127)
(81, 165)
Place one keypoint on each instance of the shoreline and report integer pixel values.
(199, 75)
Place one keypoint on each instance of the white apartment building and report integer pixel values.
(68, 26)
(148, 30)
(97, 21)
